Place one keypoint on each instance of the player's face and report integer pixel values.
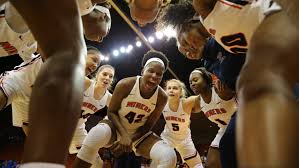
(144, 11)
(92, 62)
(152, 76)
(96, 25)
(191, 41)
(197, 82)
(173, 89)
(105, 77)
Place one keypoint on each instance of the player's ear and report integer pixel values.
(142, 71)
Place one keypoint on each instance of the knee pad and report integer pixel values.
(97, 138)
(163, 155)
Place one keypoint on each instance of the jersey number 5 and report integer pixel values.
(175, 127)
(131, 117)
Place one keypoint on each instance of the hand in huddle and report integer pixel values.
(121, 146)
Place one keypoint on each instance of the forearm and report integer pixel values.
(116, 122)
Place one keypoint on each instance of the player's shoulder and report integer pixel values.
(126, 84)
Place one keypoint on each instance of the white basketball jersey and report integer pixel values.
(90, 104)
(135, 110)
(219, 111)
(12, 42)
(233, 24)
(177, 123)
(17, 85)
(24, 44)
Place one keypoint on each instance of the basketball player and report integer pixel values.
(55, 93)
(15, 35)
(195, 43)
(96, 97)
(17, 39)
(97, 23)
(16, 85)
(146, 11)
(190, 34)
(177, 113)
(73, 37)
(218, 104)
(269, 59)
(135, 107)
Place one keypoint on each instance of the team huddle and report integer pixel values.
(245, 85)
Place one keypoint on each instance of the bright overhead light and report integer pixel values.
(169, 32)
(138, 43)
(159, 35)
(129, 48)
(115, 52)
(102, 57)
(151, 39)
(106, 58)
(122, 49)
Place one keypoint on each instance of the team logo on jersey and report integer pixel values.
(11, 50)
(90, 106)
(173, 118)
(215, 111)
(139, 106)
